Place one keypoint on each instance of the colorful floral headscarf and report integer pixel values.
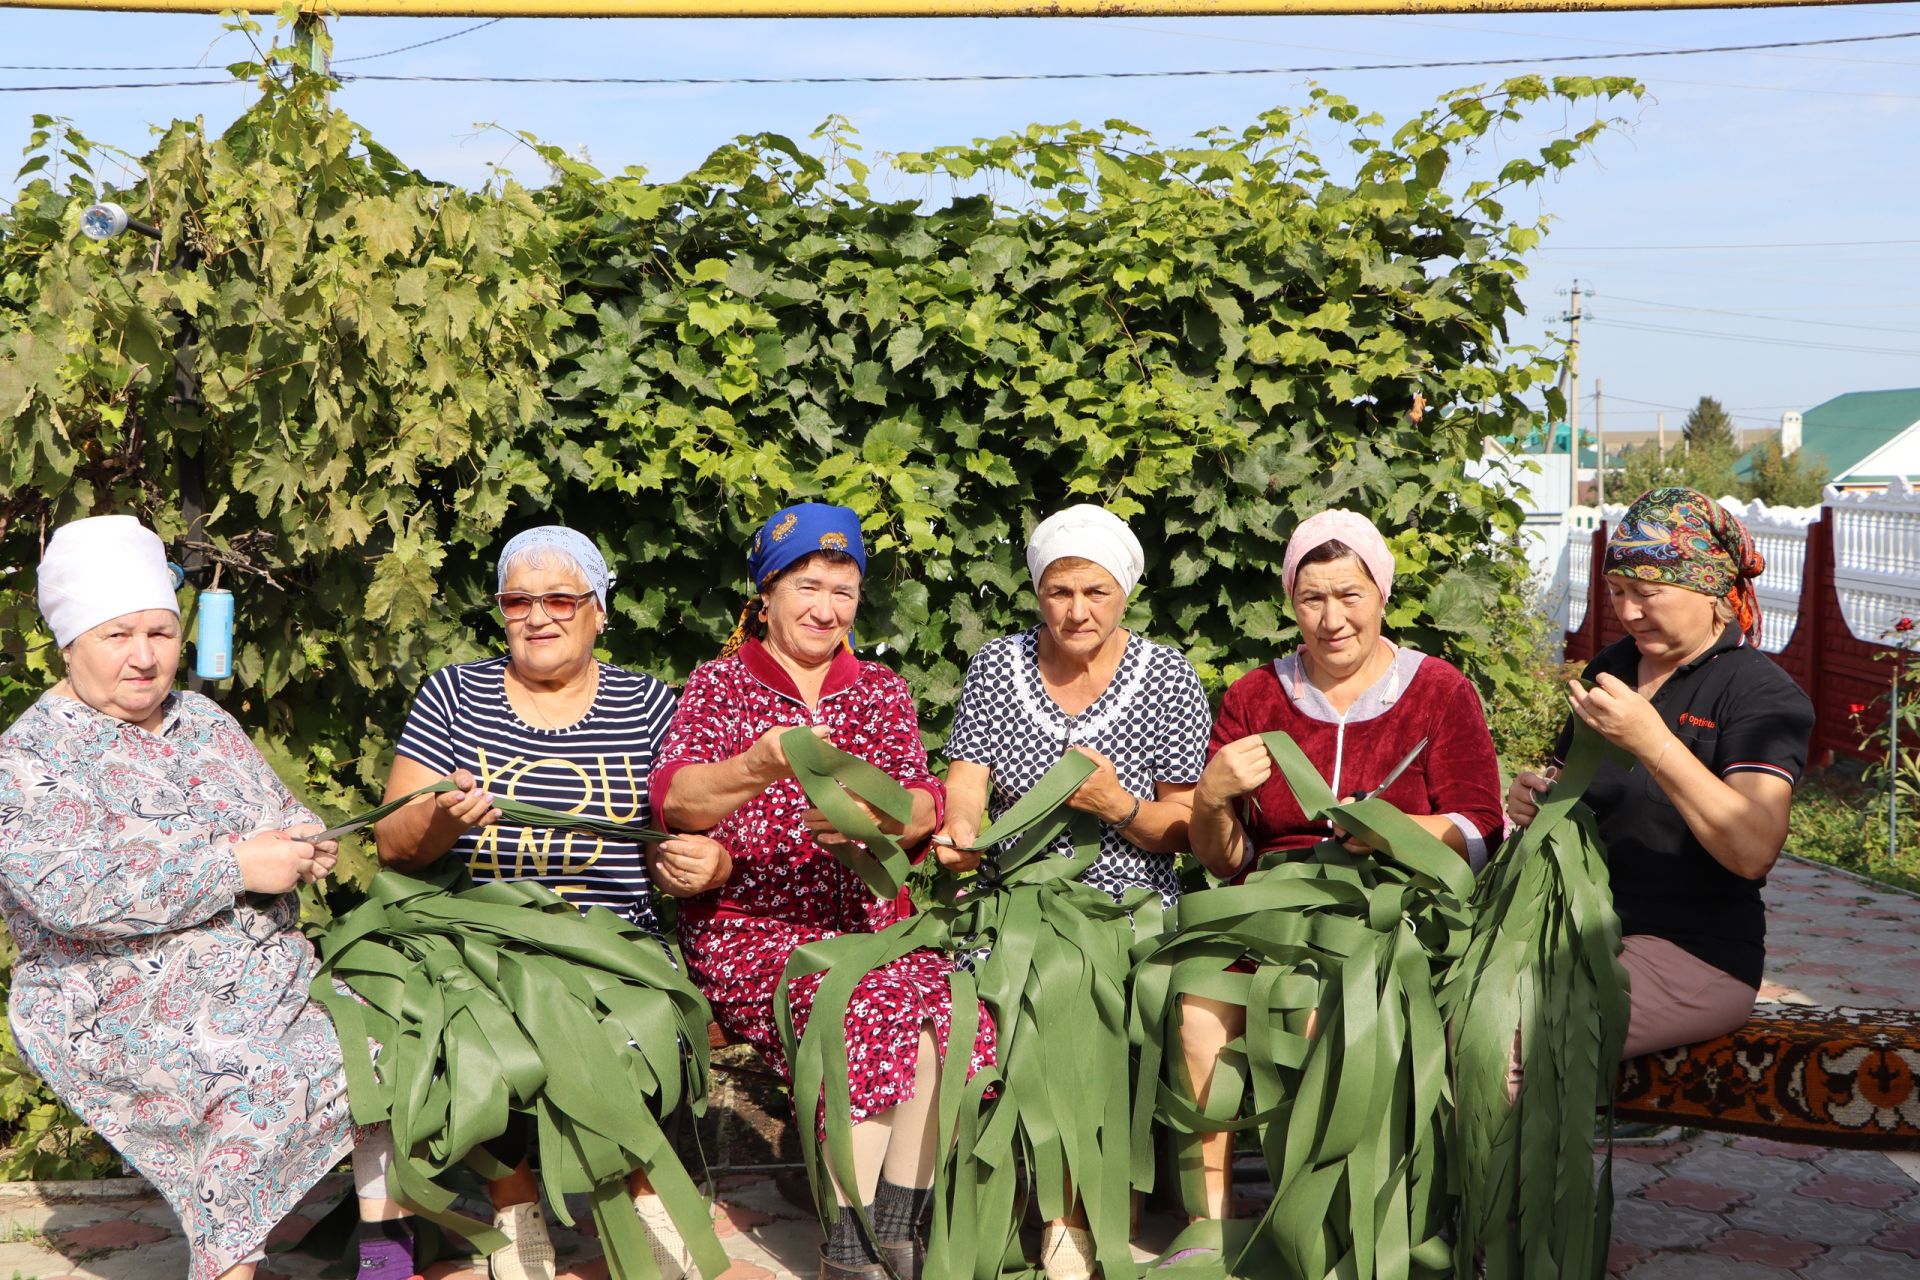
(1686, 539)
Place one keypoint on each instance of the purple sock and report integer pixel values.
(386, 1250)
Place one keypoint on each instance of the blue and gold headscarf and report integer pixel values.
(800, 530)
(790, 535)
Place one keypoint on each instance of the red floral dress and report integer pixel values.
(787, 891)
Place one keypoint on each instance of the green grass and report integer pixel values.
(1839, 820)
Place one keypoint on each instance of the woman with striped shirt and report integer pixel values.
(551, 725)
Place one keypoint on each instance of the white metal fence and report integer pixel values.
(1876, 558)
(1876, 550)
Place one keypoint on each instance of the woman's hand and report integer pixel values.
(1348, 841)
(1101, 793)
(469, 806)
(1526, 793)
(950, 845)
(687, 865)
(1237, 769)
(767, 761)
(275, 862)
(1616, 711)
(823, 830)
(326, 853)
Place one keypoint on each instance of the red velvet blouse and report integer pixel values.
(1419, 697)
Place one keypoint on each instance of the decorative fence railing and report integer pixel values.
(1838, 578)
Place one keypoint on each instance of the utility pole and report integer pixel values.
(1662, 421)
(1599, 451)
(1573, 403)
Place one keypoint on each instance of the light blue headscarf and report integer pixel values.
(571, 543)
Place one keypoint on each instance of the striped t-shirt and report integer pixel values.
(461, 719)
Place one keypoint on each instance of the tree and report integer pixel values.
(1709, 427)
(1215, 340)
(1781, 479)
(1708, 467)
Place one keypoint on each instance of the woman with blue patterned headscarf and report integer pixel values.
(777, 886)
(551, 725)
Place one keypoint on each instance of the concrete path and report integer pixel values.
(1688, 1206)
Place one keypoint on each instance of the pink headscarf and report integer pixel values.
(1349, 527)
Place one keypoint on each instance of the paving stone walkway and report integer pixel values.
(1689, 1206)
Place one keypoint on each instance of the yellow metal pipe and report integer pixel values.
(911, 8)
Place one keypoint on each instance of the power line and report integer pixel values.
(1795, 344)
(1690, 248)
(1007, 77)
(409, 48)
(365, 57)
(1754, 315)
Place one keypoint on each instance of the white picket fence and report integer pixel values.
(1876, 546)
(1876, 558)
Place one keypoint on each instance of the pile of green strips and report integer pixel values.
(1048, 958)
(1387, 1134)
(503, 999)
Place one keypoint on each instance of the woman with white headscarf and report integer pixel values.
(552, 725)
(1082, 680)
(147, 861)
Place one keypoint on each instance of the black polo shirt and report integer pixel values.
(1737, 711)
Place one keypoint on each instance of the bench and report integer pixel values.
(1825, 1077)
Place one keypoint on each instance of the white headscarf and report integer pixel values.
(1090, 533)
(101, 568)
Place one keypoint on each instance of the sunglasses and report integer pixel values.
(560, 606)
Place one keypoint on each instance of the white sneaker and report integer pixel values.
(529, 1251)
(1066, 1253)
(670, 1252)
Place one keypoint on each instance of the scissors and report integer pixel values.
(1405, 761)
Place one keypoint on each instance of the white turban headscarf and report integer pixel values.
(101, 568)
(1090, 533)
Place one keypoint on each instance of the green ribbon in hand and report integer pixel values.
(515, 811)
(1541, 968)
(832, 779)
(1056, 959)
(503, 998)
(1353, 1122)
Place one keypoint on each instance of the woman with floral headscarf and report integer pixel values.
(1718, 735)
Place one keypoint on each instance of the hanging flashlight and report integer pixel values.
(106, 220)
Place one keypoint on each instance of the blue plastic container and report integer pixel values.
(213, 637)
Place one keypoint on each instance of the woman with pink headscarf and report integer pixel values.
(1357, 704)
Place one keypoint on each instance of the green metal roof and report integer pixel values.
(1843, 431)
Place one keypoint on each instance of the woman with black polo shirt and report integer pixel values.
(1718, 733)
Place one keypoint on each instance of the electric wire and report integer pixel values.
(1754, 315)
(1752, 339)
(364, 57)
(1011, 77)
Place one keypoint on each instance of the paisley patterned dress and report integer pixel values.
(156, 998)
(786, 891)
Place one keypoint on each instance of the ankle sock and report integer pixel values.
(898, 1211)
(386, 1250)
(845, 1243)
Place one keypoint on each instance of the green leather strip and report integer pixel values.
(832, 778)
(1054, 978)
(515, 811)
(1542, 965)
(1353, 1123)
(503, 998)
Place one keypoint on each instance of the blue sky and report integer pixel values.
(1801, 147)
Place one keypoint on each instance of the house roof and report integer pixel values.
(1844, 431)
